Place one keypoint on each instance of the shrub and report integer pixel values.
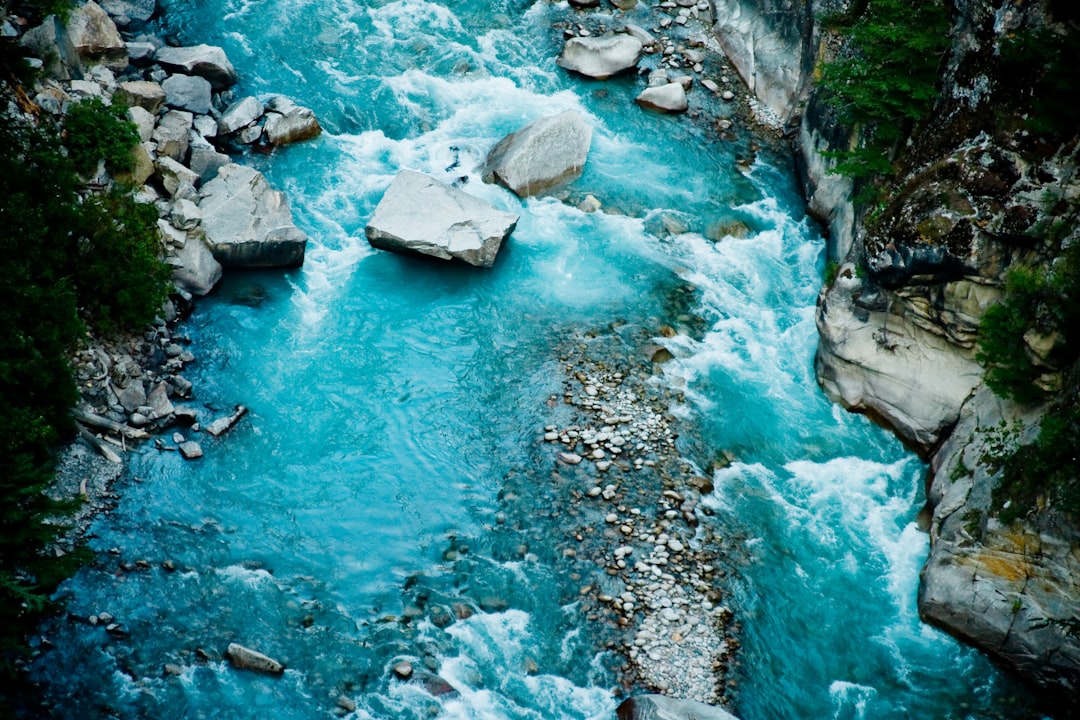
(888, 82)
(94, 131)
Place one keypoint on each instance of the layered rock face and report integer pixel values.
(899, 323)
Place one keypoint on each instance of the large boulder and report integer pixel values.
(95, 37)
(194, 267)
(129, 13)
(660, 707)
(146, 94)
(419, 214)
(51, 42)
(601, 57)
(173, 134)
(248, 223)
(541, 155)
(187, 92)
(287, 122)
(206, 61)
(241, 114)
(669, 98)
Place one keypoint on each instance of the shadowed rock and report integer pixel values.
(207, 61)
(541, 155)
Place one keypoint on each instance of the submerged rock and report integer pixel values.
(601, 57)
(248, 223)
(419, 214)
(541, 155)
(659, 707)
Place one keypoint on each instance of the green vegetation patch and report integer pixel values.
(95, 131)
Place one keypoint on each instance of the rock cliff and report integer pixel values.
(912, 278)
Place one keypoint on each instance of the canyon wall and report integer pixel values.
(899, 320)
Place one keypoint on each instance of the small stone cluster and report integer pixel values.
(657, 578)
(680, 38)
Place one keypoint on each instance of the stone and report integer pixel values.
(172, 135)
(402, 669)
(727, 95)
(670, 98)
(643, 36)
(158, 401)
(174, 175)
(194, 267)
(419, 214)
(240, 115)
(247, 222)
(141, 170)
(287, 122)
(95, 37)
(543, 154)
(185, 215)
(584, 3)
(190, 450)
(247, 659)
(132, 396)
(205, 161)
(145, 94)
(129, 13)
(51, 42)
(188, 92)
(144, 122)
(205, 126)
(601, 57)
(205, 61)
(141, 53)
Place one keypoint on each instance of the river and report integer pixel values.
(395, 400)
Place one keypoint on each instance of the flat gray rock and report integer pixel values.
(240, 114)
(601, 57)
(541, 155)
(419, 214)
(187, 92)
(660, 707)
(248, 223)
(206, 61)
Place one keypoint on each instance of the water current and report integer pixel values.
(391, 399)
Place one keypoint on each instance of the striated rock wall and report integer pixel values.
(899, 323)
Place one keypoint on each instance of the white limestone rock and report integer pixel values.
(419, 214)
(670, 98)
(601, 57)
(187, 92)
(543, 154)
(95, 37)
(240, 115)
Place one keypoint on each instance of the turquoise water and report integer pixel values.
(394, 401)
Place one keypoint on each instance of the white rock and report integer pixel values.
(419, 214)
(601, 57)
(670, 98)
(545, 153)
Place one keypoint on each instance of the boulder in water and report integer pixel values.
(247, 659)
(659, 707)
(601, 57)
(287, 122)
(248, 223)
(669, 98)
(419, 214)
(541, 155)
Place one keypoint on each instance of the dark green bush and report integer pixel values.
(95, 131)
(888, 82)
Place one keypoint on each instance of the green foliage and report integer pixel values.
(889, 81)
(1046, 302)
(1041, 63)
(832, 270)
(66, 262)
(117, 264)
(95, 131)
(38, 9)
(1044, 471)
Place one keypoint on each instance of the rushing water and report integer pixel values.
(392, 397)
